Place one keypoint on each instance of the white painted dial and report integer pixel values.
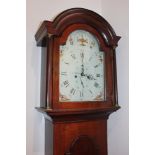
(81, 76)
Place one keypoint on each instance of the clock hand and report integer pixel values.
(81, 83)
(82, 72)
(90, 77)
(82, 69)
(82, 56)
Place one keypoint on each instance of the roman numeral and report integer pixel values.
(66, 83)
(66, 63)
(81, 94)
(63, 73)
(90, 91)
(73, 56)
(96, 65)
(72, 91)
(96, 84)
(98, 75)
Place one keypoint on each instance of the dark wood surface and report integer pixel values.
(53, 34)
(76, 128)
(68, 138)
(76, 16)
(83, 145)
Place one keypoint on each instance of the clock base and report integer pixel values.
(76, 132)
(83, 136)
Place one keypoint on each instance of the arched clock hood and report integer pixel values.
(74, 16)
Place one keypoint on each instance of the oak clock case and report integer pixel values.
(78, 82)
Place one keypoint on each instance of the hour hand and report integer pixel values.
(90, 77)
(81, 83)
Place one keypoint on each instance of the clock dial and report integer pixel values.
(81, 74)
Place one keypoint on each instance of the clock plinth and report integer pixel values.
(78, 82)
(75, 132)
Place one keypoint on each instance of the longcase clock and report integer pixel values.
(78, 82)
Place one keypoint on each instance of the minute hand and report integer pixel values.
(82, 70)
(81, 82)
(82, 57)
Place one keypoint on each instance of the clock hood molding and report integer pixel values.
(74, 16)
